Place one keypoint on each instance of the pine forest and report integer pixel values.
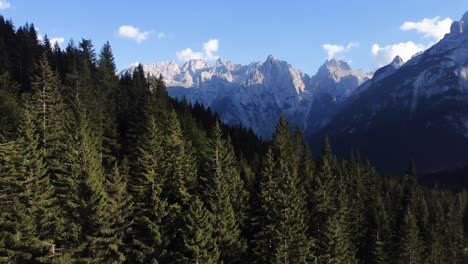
(97, 167)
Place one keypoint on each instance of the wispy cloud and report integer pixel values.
(434, 28)
(161, 35)
(209, 49)
(56, 40)
(4, 4)
(332, 49)
(384, 55)
(131, 32)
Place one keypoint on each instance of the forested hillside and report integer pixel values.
(100, 168)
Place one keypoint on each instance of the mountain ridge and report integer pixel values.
(418, 111)
(256, 94)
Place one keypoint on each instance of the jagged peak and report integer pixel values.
(464, 19)
(397, 62)
(458, 27)
(195, 64)
(334, 66)
(271, 57)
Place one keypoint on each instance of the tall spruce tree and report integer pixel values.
(93, 207)
(38, 189)
(56, 142)
(265, 240)
(198, 243)
(16, 223)
(227, 233)
(149, 208)
(121, 208)
(108, 85)
(411, 244)
(326, 194)
(287, 231)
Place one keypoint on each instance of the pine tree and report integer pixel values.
(180, 167)
(288, 202)
(16, 225)
(93, 207)
(227, 233)
(10, 111)
(325, 197)
(198, 243)
(265, 240)
(238, 194)
(381, 249)
(57, 143)
(342, 249)
(39, 191)
(108, 92)
(120, 208)
(133, 113)
(145, 238)
(411, 244)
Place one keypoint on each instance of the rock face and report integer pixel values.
(255, 95)
(418, 110)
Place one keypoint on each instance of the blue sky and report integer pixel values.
(364, 33)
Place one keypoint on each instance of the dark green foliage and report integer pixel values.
(411, 246)
(198, 243)
(93, 208)
(149, 208)
(120, 208)
(10, 111)
(56, 143)
(282, 238)
(218, 190)
(108, 88)
(100, 168)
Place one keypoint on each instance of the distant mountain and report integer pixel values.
(417, 110)
(255, 95)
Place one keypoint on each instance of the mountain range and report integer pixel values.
(415, 110)
(256, 95)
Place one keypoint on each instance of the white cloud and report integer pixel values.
(431, 27)
(132, 32)
(4, 4)
(56, 40)
(209, 49)
(332, 50)
(385, 55)
(188, 54)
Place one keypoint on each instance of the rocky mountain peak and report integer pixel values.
(397, 62)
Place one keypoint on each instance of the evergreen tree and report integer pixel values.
(94, 213)
(227, 233)
(108, 92)
(325, 195)
(10, 111)
(411, 246)
(198, 243)
(56, 142)
(16, 224)
(148, 205)
(342, 249)
(120, 207)
(266, 241)
(287, 232)
(38, 190)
